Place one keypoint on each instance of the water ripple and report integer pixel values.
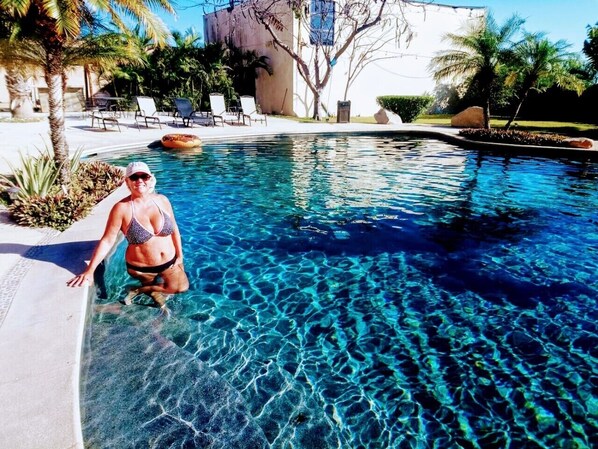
(376, 292)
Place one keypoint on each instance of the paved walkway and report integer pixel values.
(42, 321)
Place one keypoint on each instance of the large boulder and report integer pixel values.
(472, 117)
(586, 144)
(384, 117)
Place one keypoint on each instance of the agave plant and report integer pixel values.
(37, 175)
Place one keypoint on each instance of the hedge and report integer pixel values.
(407, 107)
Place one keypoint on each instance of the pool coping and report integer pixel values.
(42, 335)
(41, 340)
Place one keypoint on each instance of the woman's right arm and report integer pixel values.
(113, 226)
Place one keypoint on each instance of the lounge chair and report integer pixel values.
(103, 117)
(220, 112)
(184, 111)
(250, 110)
(146, 110)
(99, 108)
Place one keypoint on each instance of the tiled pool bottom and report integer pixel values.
(359, 293)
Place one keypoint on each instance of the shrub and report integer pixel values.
(97, 179)
(515, 137)
(587, 104)
(36, 176)
(408, 107)
(91, 182)
(57, 211)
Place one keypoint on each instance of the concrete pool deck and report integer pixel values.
(42, 321)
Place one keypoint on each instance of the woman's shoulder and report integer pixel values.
(161, 199)
(122, 204)
(163, 202)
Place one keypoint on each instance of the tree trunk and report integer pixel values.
(317, 104)
(487, 114)
(514, 116)
(55, 82)
(317, 85)
(19, 89)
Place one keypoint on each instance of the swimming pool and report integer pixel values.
(358, 292)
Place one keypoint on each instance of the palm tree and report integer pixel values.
(17, 74)
(102, 52)
(57, 24)
(180, 66)
(128, 79)
(590, 46)
(19, 91)
(244, 68)
(477, 56)
(539, 64)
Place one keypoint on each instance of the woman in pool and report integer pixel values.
(154, 254)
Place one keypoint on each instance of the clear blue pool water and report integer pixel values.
(358, 292)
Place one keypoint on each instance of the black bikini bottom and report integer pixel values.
(157, 269)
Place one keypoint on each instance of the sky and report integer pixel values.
(560, 19)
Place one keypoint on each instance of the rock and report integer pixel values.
(383, 117)
(580, 143)
(472, 117)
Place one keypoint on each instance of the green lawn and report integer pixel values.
(571, 129)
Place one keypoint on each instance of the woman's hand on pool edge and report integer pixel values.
(80, 280)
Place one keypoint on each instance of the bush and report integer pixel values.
(35, 177)
(97, 179)
(515, 137)
(587, 105)
(91, 182)
(408, 107)
(55, 211)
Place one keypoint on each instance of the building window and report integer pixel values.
(322, 22)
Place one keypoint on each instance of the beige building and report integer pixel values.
(81, 85)
(395, 67)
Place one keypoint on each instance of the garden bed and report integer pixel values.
(516, 137)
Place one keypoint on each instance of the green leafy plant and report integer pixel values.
(37, 175)
(91, 182)
(97, 179)
(408, 107)
(57, 211)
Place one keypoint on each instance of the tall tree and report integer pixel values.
(478, 57)
(56, 24)
(326, 29)
(184, 69)
(17, 74)
(244, 67)
(539, 64)
(590, 46)
(364, 50)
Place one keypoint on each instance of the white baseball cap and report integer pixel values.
(137, 167)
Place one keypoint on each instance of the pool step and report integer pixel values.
(141, 390)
